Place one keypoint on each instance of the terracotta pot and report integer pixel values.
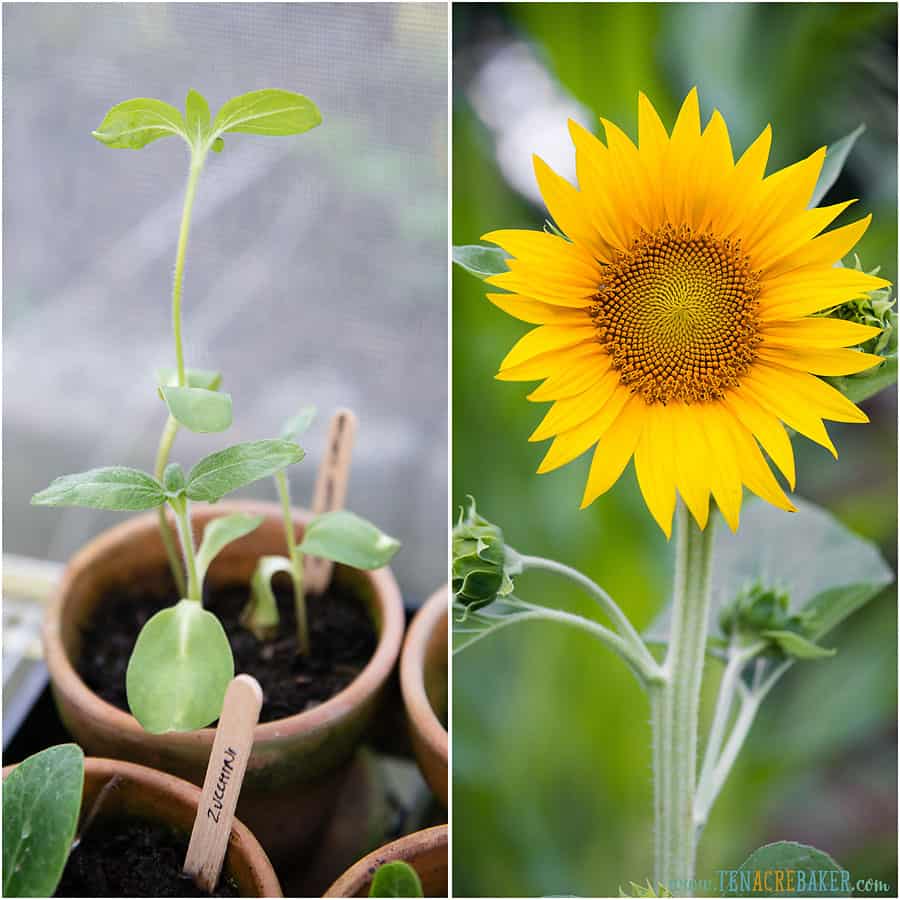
(425, 851)
(299, 763)
(423, 680)
(142, 793)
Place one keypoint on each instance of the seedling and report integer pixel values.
(335, 535)
(41, 805)
(182, 662)
(396, 879)
(192, 395)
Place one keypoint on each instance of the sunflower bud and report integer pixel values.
(482, 563)
(875, 308)
(754, 610)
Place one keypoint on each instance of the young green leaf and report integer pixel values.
(196, 116)
(41, 804)
(198, 409)
(270, 111)
(792, 644)
(173, 479)
(482, 262)
(179, 669)
(807, 872)
(218, 534)
(297, 425)
(218, 145)
(835, 157)
(346, 538)
(135, 123)
(111, 487)
(396, 879)
(207, 379)
(227, 470)
(260, 615)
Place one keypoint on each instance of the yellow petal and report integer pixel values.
(545, 338)
(557, 259)
(690, 452)
(754, 471)
(826, 249)
(615, 449)
(527, 310)
(767, 429)
(567, 208)
(821, 362)
(724, 472)
(806, 334)
(826, 402)
(794, 235)
(572, 443)
(547, 363)
(652, 136)
(572, 411)
(805, 291)
(576, 377)
(781, 399)
(530, 282)
(654, 467)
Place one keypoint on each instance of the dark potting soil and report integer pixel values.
(129, 858)
(342, 640)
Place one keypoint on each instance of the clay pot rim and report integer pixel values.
(404, 848)
(412, 673)
(249, 846)
(376, 671)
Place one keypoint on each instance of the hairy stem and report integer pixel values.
(676, 707)
(609, 606)
(170, 542)
(284, 492)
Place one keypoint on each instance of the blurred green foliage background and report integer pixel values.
(551, 766)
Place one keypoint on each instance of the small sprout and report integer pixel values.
(182, 662)
(338, 535)
(482, 564)
(396, 879)
(41, 805)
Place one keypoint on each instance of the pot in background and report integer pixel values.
(425, 851)
(299, 763)
(423, 680)
(148, 795)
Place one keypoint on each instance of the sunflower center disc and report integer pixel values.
(677, 313)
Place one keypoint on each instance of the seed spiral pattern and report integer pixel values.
(677, 313)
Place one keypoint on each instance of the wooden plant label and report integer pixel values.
(222, 785)
(331, 489)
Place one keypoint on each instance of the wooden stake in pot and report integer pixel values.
(222, 785)
(331, 489)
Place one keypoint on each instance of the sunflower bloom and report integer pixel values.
(676, 318)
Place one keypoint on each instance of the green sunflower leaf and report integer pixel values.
(805, 872)
(179, 669)
(835, 157)
(227, 470)
(826, 571)
(270, 111)
(198, 409)
(482, 262)
(396, 879)
(135, 123)
(111, 487)
(41, 804)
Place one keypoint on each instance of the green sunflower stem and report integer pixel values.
(675, 708)
(166, 531)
